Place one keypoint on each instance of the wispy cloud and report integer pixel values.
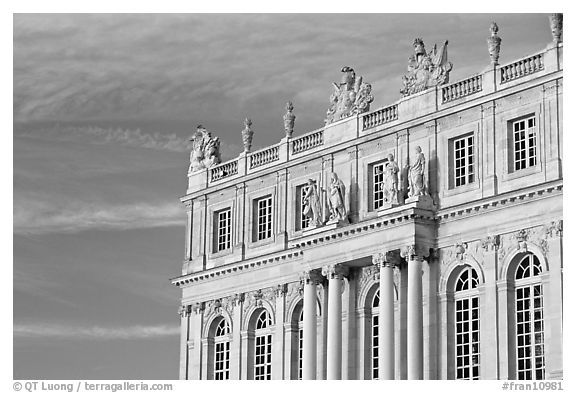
(30, 218)
(136, 332)
(122, 136)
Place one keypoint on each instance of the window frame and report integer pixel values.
(466, 296)
(530, 284)
(263, 334)
(216, 231)
(468, 163)
(222, 340)
(509, 172)
(376, 197)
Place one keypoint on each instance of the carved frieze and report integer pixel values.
(490, 243)
(256, 298)
(520, 240)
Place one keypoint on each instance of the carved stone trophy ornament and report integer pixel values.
(247, 135)
(205, 150)
(426, 69)
(494, 43)
(289, 119)
(351, 96)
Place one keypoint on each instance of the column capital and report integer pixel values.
(412, 251)
(188, 205)
(311, 277)
(185, 310)
(386, 259)
(281, 290)
(335, 271)
(198, 307)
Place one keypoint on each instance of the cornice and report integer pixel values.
(399, 216)
(234, 267)
(500, 201)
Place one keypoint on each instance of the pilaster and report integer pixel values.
(236, 355)
(194, 344)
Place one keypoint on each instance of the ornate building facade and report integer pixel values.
(421, 240)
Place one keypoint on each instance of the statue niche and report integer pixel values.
(351, 96)
(205, 150)
(426, 69)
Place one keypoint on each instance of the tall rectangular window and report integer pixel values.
(467, 338)
(375, 347)
(463, 154)
(524, 139)
(222, 360)
(530, 332)
(263, 357)
(264, 218)
(223, 230)
(378, 186)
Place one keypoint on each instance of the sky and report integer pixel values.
(103, 107)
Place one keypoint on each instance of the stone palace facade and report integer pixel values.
(421, 240)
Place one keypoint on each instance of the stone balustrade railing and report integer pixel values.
(490, 81)
(265, 156)
(308, 141)
(380, 116)
(521, 68)
(223, 171)
(461, 88)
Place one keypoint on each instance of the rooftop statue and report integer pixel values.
(350, 96)
(205, 150)
(426, 69)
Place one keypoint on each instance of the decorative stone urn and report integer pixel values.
(289, 118)
(247, 135)
(556, 25)
(494, 44)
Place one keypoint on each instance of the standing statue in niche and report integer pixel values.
(205, 150)
(417, 175)
(336, 199)
(312, 207)
(390, 185)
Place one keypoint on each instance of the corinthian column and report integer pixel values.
(311, 280)
(385, 315)
(415, 324)
(334, 274)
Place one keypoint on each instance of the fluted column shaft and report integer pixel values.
(385, 262)
(334, 274)
(309, 350)
(415, 324)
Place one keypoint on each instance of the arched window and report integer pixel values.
(529, 319)
(263, 347)
(467, 329)
(374, 357)
(300, 343)
(222, 350)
